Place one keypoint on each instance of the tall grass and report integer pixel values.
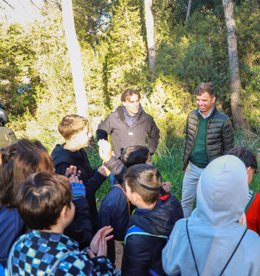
(168, 159)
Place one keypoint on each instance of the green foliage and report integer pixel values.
(34, 60)
(168, 104)
(248, 22)
(168, 159)
(125, 62)
(251, 141)
(197, 54)
(49, 75)
(16, 60)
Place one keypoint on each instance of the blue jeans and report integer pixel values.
(189, 188)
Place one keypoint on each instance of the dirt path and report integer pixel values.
(119, 254)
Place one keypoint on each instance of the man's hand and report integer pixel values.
(78, 189)
(105, 150)
(104, 170)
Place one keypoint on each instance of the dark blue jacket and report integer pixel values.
(147, 235)
(11, 227)
(114, 210)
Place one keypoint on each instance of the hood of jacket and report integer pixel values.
(214, 231)
(222, 192)
(159, 220)
(60, 155)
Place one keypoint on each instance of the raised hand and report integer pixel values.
(167, 186)
(73, 170)
(98, 245)
(77, 187)
(105, 150)
(104, 170)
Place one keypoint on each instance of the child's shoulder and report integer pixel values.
(115, 196)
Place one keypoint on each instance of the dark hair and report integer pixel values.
(41, 198)
(128, 93)
(205, 87)
(145, 180)
(245, 155)
(72, 124)
(17, 162)
(134, 155)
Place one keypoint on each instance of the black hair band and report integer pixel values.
(151, 188)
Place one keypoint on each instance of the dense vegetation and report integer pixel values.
(36, 82)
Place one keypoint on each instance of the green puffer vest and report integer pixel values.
(219, 135)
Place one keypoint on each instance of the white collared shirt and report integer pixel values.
(206, 116)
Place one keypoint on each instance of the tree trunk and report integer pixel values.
(149, 23)
(188, 10)
(75, 58)
(235, 85)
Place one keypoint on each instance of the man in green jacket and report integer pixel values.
(208, 135)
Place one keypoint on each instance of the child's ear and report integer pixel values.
(73, 137)
(137, 197)
(65, 211)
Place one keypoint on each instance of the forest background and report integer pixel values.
(36, 84)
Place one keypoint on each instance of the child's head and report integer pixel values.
(42, 200)
(248, 158)
(135, 155)
(75, 127)
(143, 181)
(17, 162)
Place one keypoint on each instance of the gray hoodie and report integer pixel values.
(213, 227)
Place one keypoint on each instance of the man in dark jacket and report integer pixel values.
(208, 135)
(129, 125)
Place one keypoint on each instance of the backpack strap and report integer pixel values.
(233, 252)
(251, 198)
(58, 261)
(192, 252)
(222, 271)
(135, 230)
(128, 202)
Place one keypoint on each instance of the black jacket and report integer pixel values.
(219, 135)
(81, 228)
(92, 179)
(124, 136)
(142, 252)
